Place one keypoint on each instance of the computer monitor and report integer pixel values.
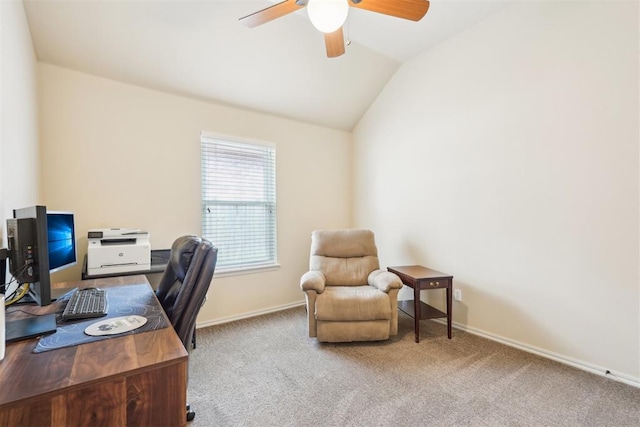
(40, 242)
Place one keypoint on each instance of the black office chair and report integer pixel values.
(184, 285)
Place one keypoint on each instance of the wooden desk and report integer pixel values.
(419, 278)
(138, 379)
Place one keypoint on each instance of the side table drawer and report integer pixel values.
(435, 283)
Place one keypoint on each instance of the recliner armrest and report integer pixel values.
(384, 280)
(313, 280)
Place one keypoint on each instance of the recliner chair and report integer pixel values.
(184, 285)
(349, 298)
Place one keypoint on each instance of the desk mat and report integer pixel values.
(122, 301)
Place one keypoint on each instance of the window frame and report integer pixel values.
(231, 141)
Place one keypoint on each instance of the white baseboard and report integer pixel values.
(249, 314)
(580, 364)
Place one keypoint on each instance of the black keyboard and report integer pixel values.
(86, 303)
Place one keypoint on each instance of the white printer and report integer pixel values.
(117, 250)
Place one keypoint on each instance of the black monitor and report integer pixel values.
(40, 242)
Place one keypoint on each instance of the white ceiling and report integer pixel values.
(199, 49)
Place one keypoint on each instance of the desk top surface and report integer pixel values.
(24, 374)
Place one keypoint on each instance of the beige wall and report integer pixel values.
(123, 156)
(19, 156)
(508, 157)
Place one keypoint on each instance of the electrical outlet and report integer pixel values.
(457, 294)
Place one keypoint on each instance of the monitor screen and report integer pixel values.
(61, 240)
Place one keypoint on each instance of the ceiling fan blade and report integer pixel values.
(272, 12)
(334, 43)
(412, 10)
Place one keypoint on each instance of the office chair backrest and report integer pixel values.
(185, 282)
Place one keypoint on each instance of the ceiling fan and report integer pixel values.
(329, 15)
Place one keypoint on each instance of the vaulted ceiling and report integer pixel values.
(199, 49)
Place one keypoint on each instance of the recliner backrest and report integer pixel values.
(345, 257)
(185, 283)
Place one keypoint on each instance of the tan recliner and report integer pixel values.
(348, 297)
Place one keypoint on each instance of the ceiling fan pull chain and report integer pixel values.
(348, 22)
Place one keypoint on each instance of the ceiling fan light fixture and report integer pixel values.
(327, 15)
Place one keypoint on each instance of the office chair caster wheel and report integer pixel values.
(190, 414)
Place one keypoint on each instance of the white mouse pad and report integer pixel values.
(115, 325)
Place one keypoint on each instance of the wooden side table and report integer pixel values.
(419, 278)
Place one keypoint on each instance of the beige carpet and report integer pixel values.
(265, 371)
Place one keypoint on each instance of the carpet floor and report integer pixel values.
(266, 371)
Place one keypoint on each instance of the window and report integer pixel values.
(239, 202)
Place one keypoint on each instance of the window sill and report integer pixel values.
(246, 270)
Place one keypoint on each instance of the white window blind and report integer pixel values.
(239, 202)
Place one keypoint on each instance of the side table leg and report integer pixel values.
(416, 310)
(449, 306)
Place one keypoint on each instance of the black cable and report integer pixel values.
(9, 300)
(12, 294)
(18, 272)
